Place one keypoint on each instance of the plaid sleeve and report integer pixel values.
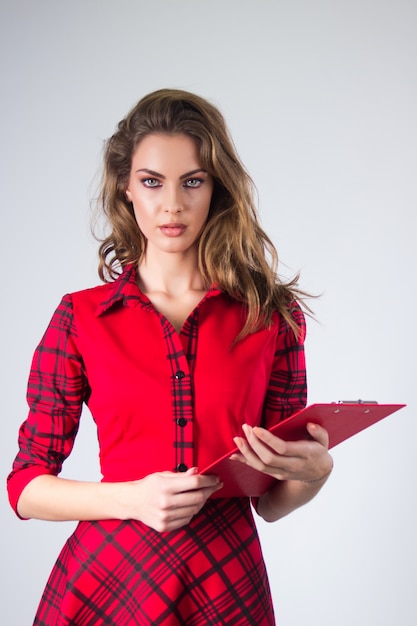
(56, 390)
(287, 389)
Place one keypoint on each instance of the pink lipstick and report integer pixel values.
(172, 230)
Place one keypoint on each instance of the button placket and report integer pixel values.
(181, 354)
(183, 416)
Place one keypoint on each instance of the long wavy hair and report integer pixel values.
(233, 251)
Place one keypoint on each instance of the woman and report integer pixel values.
(192, 343)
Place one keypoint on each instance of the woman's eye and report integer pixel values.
(194, 182)
(150, 182)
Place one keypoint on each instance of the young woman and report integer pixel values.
(190, 346)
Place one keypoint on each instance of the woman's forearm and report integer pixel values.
(58, 499)
(163, 500)
(286, 496)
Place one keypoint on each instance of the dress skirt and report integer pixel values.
(122, 573)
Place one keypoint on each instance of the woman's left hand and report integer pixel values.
(306, 460)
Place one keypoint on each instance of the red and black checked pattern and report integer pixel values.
(125, 574)
(161, 400)
(287, 388)
(182, 368)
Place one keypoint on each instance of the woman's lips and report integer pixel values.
(172, 230)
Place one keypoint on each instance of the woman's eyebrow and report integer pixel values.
(182, 177)
(150, 172)
(192, 173)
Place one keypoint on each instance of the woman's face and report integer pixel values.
(170, 192)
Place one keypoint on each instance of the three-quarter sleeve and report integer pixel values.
(56, 390)
(287, 389)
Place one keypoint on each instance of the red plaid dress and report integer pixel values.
(161, 400)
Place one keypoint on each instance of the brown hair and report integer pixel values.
(234, 252)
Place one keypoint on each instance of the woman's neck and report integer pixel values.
(171, 274)
(174, 286)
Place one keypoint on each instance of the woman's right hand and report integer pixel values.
(167, 500)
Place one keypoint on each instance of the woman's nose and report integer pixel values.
(172, 200)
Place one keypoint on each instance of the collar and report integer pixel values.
(125, 290)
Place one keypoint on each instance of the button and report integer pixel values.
(179, 375)
(182, 467)
(181, 421)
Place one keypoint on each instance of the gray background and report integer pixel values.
(321, 99)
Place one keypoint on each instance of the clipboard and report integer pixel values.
(342, 420)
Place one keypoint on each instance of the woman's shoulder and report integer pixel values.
(102, 296)
(289, 324)
(96, 293)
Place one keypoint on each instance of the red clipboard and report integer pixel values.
(342, 420)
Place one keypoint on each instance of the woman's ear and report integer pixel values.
(128, 195)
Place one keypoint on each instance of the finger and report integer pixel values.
(265, 445)
(319, 433)
(292, 448)
(246, 453)
(175, 518)
(278, 458)
(204, 481)
(236, 456)
(189, 481)
(187, 505)
(196, 497)
(192, 471)
(207, 479)
(249, 456)
(278, 445)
